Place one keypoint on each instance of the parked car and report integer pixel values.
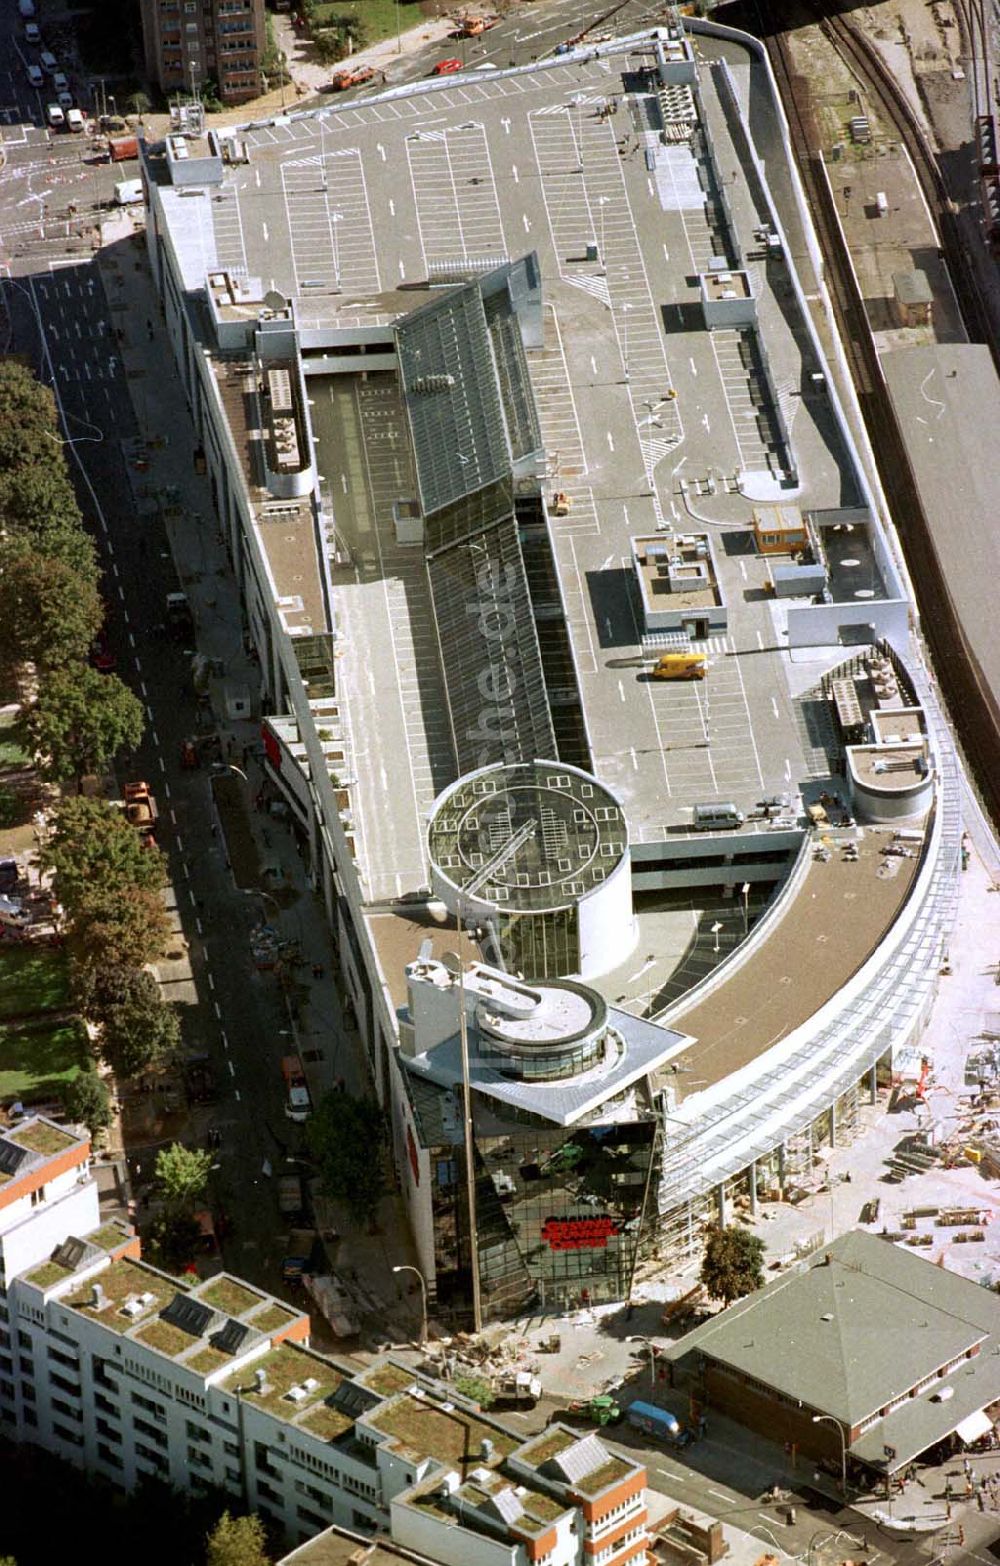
(32, 33)
(65, 101)
(35, 76)
(14, 913)
(60, 81)
(101, 656)
(446, 67)
(48, 61)
(55, 116)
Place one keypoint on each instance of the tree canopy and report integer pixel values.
(87, 1101)
(93, 848)
(49, 614)
(131, 924)
(237, 1541)
(28, 420)
(80, 720)
(170, 1239)
(732, 1264)
(139, 1035)
(347, 1136)
(182, 1174)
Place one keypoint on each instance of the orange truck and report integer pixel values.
(356, 78)
(475, 26)
(141, 809)
(123, 148)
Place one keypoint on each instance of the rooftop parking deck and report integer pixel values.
(651, 422)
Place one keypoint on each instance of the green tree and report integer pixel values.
(236, 1541)
(49, 615)
(137, 1036)
(27, 418)
(182, 1175)
(171, 1239)
(139, 103)
(91, 848)
(347, 1137)
(478, 1388)
(87, 1101)
(732, 1264)
(98, 990)
(80, 721)
(38, 506)
(131, 925)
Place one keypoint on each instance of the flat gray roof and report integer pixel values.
(648, 420)
(862, 1324)
(947, 400)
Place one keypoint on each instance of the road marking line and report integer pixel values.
(211, 981)
(232, 1068)
(225, 1039)
(180, 844)
(197, 925)
(236, 1093)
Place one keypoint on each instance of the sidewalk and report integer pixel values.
(313, 1004)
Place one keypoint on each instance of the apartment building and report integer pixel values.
(190, 42)
(111, 1364)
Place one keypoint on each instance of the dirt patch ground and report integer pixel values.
(230, 796)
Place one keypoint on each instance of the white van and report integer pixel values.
(35, 77)
(48, 61)
(13, 913)
(128, 192)
(75, 120)
(32, 33)
(711, 818)
(60, 81)
(55, 116)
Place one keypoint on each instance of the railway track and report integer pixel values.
(867, 64)
(968, 697)
(795, 95)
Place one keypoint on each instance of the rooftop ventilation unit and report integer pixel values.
(99, 1300)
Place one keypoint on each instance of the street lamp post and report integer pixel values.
(405, 1267)
(829, 1419)
(626, 307)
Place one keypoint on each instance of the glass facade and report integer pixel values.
(543, 945)
(558, 1214)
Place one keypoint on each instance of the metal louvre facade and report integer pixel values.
(493, 666)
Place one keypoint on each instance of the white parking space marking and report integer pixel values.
(227, 222)
(454, 191)
(329, 223)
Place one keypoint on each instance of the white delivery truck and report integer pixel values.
(128, 192)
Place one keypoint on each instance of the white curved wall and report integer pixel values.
(608, 927)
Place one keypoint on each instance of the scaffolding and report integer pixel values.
(780, 1107)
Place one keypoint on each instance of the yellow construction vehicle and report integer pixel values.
(679, 666)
